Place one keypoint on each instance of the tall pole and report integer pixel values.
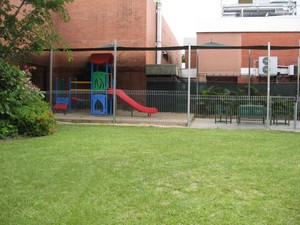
(50, 77)
(298, 75)
(297, 93)
(189, 89)
(249, 74)
(115, 82)
(197, 69)
(158, 31)
(268, 88)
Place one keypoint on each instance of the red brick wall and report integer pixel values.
(151, 31)
(221, 62)
(285, 57)
(168, 39)
(97, 23)
(217, 62)
(193, 59)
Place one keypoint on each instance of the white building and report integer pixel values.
(260, 8)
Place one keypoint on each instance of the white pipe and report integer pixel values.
(158, 31)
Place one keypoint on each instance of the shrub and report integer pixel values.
(22, 109)
(7, 129)
(34, 120)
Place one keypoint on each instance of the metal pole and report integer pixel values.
(249, 73)
(298, 72)
(115, 82)
(189, 89)
(50, 77)
(297, 94)
(268, 88)
(197, 87)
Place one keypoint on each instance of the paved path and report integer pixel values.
(166, 119)
(210, 123)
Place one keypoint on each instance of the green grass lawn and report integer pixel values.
(149, 175)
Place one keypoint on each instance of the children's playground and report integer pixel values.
(68, 95)
(99, 101)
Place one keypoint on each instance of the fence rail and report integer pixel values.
(172, 108)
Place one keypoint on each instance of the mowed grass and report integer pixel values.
(149, 175)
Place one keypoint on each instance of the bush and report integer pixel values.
(34, 120)
(22, 109)
(7, 129)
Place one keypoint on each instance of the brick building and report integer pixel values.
(96, 23)
(234, 64)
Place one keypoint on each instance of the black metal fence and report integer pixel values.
(172, 108)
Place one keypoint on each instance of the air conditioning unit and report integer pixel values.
(263, 65)
(291, 70)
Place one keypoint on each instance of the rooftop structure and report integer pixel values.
(260, 8)
(252, 24)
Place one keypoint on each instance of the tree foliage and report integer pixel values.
(27, 26)
(217, 90)
(22, 109)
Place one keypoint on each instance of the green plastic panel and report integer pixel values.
(99, 81)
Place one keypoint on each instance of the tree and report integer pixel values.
(27, 26)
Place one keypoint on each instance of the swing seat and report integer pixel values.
(61, 105)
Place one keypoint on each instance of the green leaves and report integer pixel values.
(27, 26)
(22, 108)
(10, 87)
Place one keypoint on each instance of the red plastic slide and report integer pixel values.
(122, 95)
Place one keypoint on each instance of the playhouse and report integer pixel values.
(101, 90)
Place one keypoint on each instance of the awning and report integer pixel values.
(102, 58)
(213, 44)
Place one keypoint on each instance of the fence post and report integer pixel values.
(189, 89)
(297, 95)
(295, 112)
(268, 89)
(50, 77)
(249, 74)
(115, 82)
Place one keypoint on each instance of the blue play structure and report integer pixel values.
(101, 91)
(101, 81)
